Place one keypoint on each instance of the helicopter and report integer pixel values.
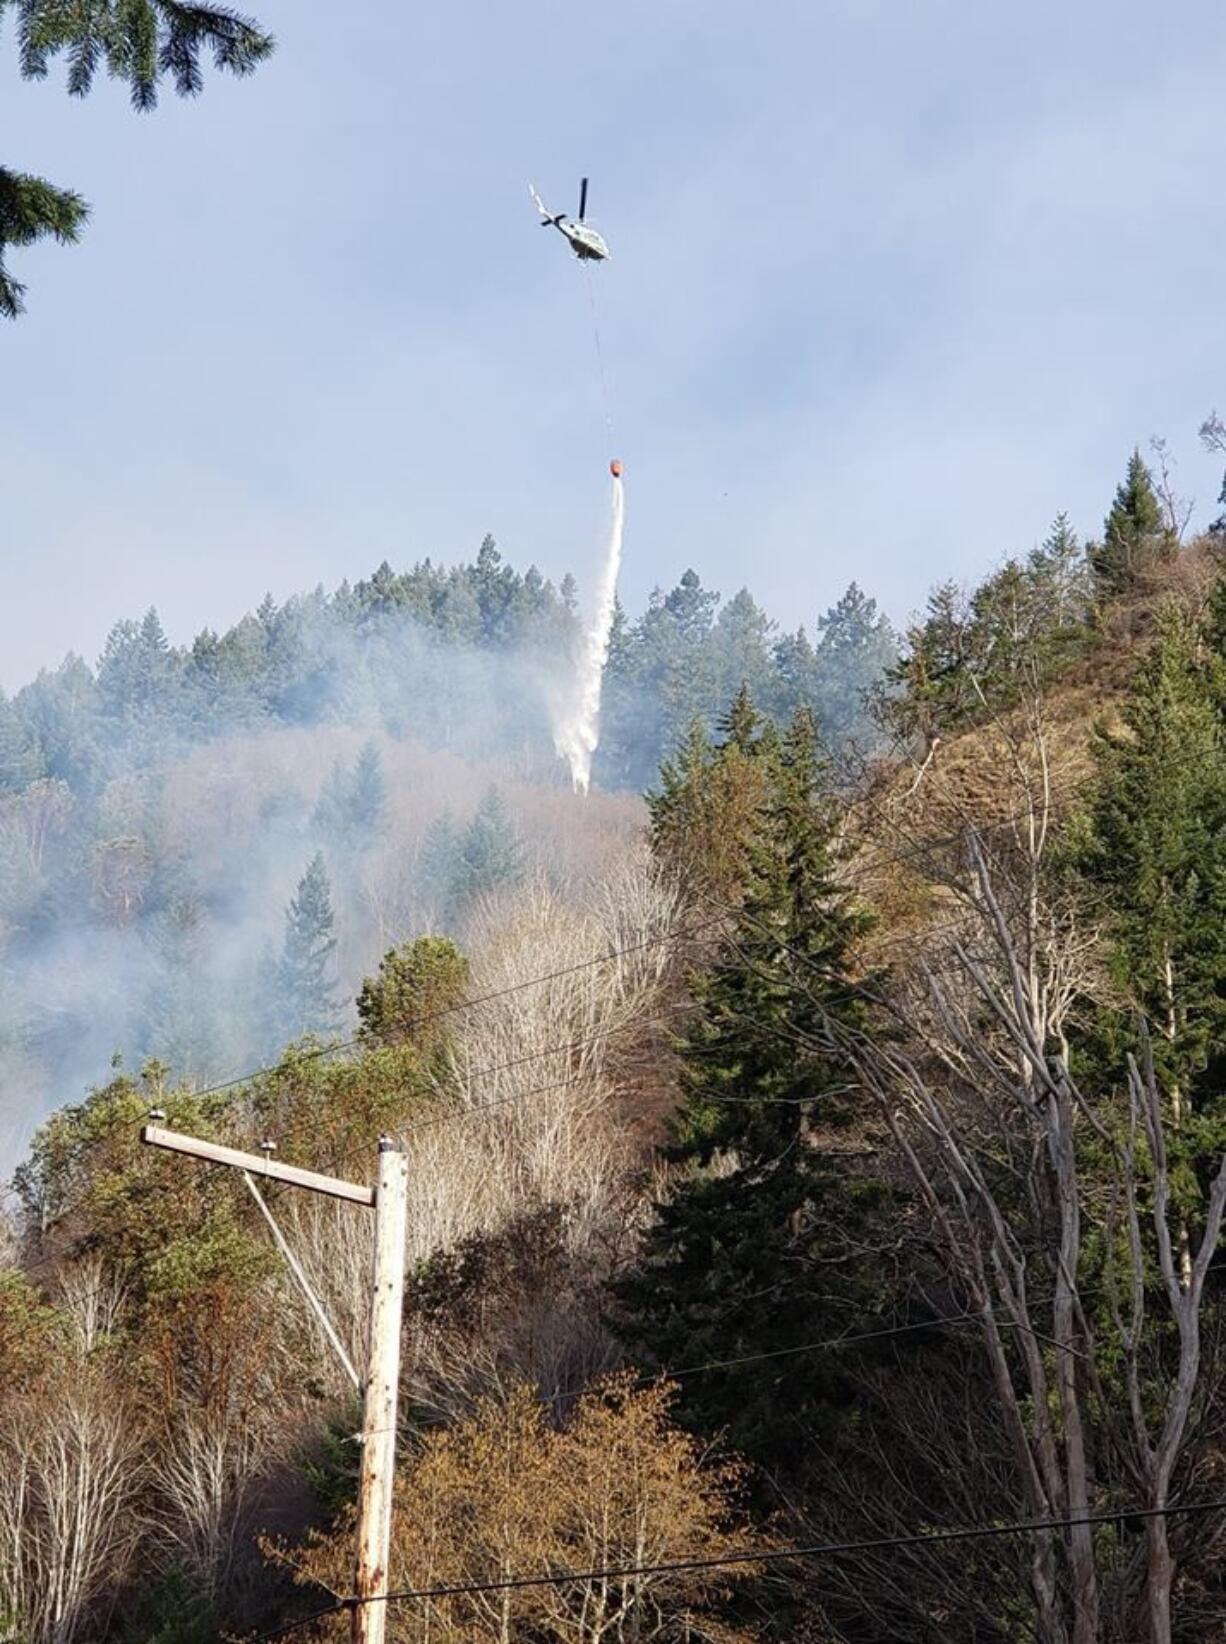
(586, 244)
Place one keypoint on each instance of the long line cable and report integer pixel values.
(604, 384)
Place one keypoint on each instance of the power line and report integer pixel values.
(462, 1115)
(762, 1555)
(572, 1045)
(649, 1378)
(464, 1004)
(942, 1321)
(873, 859)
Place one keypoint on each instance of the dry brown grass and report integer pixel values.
(914, 812)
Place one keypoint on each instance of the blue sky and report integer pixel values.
(893, 282)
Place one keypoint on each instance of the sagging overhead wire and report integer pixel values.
(940, 1321)
(881, 854)
(757, 1556)
(318, 1053)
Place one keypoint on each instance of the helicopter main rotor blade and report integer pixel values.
(582, 198)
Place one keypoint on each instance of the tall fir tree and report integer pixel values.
(707, 809)
(438, 864)
(19, 761)
(350, 811)
(856, 646)
(749, 1252)
(304, 999)
(368, 796)
(330, 818)
(741, 643)
(488, 852)
(1135, 534)
(180, 1026)
(1152, 848)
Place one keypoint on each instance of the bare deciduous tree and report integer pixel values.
(207, 1467)
(528, 1112)
(1013, 1163)
(70, 1473)
(1176, 510)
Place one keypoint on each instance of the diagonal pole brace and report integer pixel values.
(313, 1301)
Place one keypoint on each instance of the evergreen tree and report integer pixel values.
(856, 647)
(1153, 849)
(138, 678)
(741, 643)
(795, 670)
(488, 856)
(330, 818)
(671, 662)
(458, 614)
(349, 813)
(368, 796)
(1135, 534)
(615, 761)
(19, 761)
(59, 713)
(32, 209)
(745, 1254)
(180, 1028)
(707, 810)
(692, 608)
(411, 999)
(931, 680)
(439, 863)
(1061, 570)
(494, 587)
(304, 993)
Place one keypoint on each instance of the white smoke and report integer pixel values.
(576, 731)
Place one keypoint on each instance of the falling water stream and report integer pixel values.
(577, 723)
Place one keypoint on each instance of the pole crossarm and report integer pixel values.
(213, 1153)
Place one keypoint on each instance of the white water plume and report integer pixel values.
(576, 733)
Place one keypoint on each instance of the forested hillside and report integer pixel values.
(817, 1171)
(202, 849)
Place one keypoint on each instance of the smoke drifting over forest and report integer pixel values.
(202, 850)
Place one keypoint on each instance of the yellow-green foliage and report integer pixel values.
(28, 1331)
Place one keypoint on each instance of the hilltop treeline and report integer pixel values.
(837, 1164)
(463, 658)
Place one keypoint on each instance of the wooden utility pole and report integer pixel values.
(382, 1393)
(390, 1199)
